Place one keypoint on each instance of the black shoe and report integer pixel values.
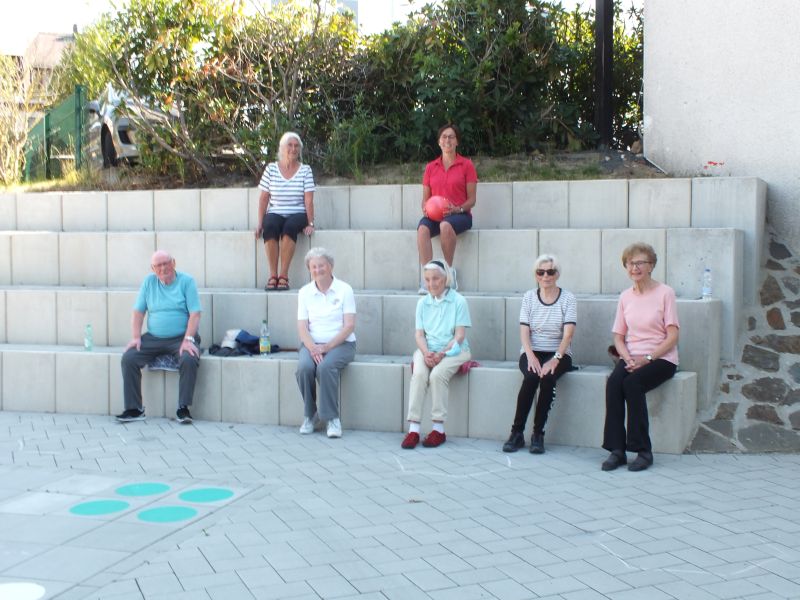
(537, 443)
(515, 441)
(183, 415)
(643, 460)
(616, 459)
(132, 414)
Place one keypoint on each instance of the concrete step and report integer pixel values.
(264, 390)
(384, 325)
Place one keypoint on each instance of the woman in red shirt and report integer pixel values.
(454, 177)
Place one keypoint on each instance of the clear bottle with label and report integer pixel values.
(264, 345)
(707, 284)
(88, 338)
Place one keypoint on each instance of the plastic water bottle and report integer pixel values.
(707, 289)
(88, 340)
(264, 346)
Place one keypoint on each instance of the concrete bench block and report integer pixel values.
(206, 328)
(130, 211)
(540, 204)
(39, 212)
(291, 402)
(741, 203)
(659, 203)
(230, 259)
(672, 408)
(298, 274)
(83, 259)
(348, 253)
(282, 319)
(120, 311)
(224, 209)
(84, 211)
(505, 259)
(513, 344)
(457, 423)
(82, 381)
(577, 416)
(412, 205)
(5, 258)
(466, 259)
(598, 203)
(3, 335)
(389, 265)
(493, 401)
(614, 241)
(188, 250)
(493, 206)
(700, 344)
(207, 403)
(593, 332)
(34, 258)
(234, 310)
(129, 255)
(376, 207)
(487, 340)
(369, 324)
(153, 389)
(253, 195)
(8, 212)
(31, 316)
(372, 397)
(399, 314)
(332, 207)
(689, 251)
(29, 381)
(176, 210)
(250, 390)
(579, 251)
(76, 309)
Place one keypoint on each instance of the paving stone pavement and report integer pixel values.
(360, 518)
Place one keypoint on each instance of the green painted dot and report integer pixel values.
(142, 489)
(167, 514)
(205, 495)
(98, 507)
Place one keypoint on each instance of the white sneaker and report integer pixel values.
(422, 289)
(309, 424)
(454, 279)
(334, 428)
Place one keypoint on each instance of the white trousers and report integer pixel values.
(438, 379)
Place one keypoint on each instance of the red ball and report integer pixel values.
(435, 207)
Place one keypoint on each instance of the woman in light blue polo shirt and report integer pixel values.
(442, 347)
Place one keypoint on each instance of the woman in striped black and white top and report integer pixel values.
(285, 208)
(546, 325)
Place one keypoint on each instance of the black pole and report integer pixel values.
(604, 63)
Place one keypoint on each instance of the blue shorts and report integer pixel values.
(460, 222)
(275, 226)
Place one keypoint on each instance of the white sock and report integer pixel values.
(438, 427)
(413, 427)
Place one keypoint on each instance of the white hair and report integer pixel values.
(319, 252)
(546, 258)
(285, 139)
(437, 265)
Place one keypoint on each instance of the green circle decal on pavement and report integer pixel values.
(167, 514)
(142, 489)
(98, 507)
(205, 495)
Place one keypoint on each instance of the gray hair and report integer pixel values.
(546, 258)
(319, 252)
(437, 265)
(285, 139)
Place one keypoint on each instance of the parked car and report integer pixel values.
(111, 135)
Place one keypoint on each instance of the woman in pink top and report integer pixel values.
(646, 338)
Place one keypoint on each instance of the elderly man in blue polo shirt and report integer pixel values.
(172, 304)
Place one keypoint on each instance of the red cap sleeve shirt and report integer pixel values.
(450, 183)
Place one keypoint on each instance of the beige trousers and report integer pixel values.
(439, 380)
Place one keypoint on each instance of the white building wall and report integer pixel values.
(722, 85)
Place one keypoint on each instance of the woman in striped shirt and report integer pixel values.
(546, 325)
(285, 208)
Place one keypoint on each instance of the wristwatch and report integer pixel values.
(190, 338)
(558, 356)
(311, 223)
(649, 358)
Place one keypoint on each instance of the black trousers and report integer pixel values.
(547, 391)
(626, 390)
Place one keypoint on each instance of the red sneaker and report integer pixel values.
(411, 440)
(433, 439)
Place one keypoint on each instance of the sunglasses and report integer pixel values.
(543, 272)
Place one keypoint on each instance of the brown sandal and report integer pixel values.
(283, 284)
(272, 284)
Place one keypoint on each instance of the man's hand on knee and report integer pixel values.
(134, 343)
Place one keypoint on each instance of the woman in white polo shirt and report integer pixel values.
(326, 320)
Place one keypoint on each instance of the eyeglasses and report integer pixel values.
(639, 264)
(448, 137)
(543, 272)
(162, 265)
